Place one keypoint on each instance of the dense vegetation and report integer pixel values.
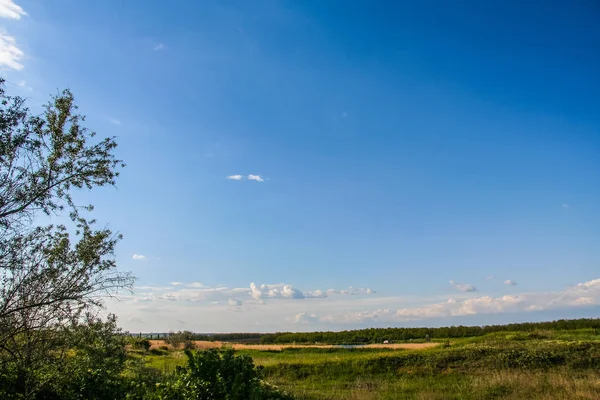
(378, 335)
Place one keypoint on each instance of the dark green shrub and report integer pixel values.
(218, 375)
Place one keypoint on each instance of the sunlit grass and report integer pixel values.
(503, 365)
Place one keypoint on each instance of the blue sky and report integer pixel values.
(395, 147)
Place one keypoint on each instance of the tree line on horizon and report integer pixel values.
(378, 335)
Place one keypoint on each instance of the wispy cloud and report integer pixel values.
(195, 285)
(566, 206)
(351, 291)
(305, 318)
(463, 287)
(197, 292)
(8, 9)
(10, 54)
(509, 282)
(24, 85)
(583, 294)
(114, 121)
(315, 294)
(277, 309)
(256, 178)
(158, 47)
(235, 177)
(139, 257)
(135, 320)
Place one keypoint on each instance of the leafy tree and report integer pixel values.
(50, 276)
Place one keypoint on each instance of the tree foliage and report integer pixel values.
(50, 276)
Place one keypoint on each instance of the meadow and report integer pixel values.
(539, 364)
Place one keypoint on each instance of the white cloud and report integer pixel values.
(305, 318)
(510, 283)
(8, 9)
(351, 291)
(490, 277)
(565, 205)
(256, 178)
(278, 291)
(235, 177)
(25, 86)
(195, 285)
(158, 47)
(139, 257)
(204, 309)
(135, 320)
(197, 292)
(114, 121)
(463, 287)
(315, 294)
(10, 54)
(583, 294)
(234, 302)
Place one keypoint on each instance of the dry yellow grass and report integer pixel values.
(203, 345)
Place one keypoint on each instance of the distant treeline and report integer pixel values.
(227, 337)
(212, 337)
(378, 335)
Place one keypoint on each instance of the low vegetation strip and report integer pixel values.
(203, 345)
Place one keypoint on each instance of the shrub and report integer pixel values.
(218, 375)
(181, 339)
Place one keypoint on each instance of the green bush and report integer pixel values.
(181, 339)
(217, 375)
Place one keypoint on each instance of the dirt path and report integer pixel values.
(238, 346)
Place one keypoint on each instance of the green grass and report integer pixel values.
(502, 365)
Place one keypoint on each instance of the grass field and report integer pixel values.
(507, 365)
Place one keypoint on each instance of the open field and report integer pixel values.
(202, 345)
(503, 365)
